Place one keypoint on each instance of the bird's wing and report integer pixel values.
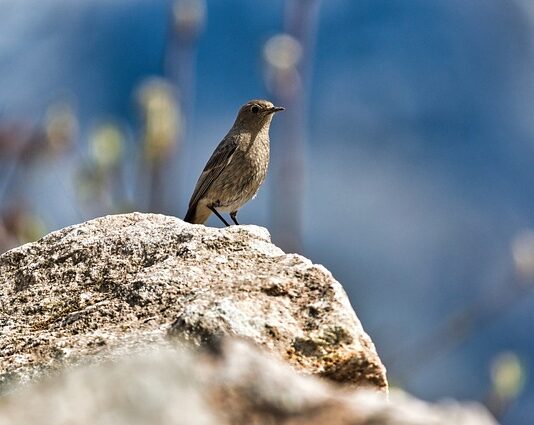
(220, 158)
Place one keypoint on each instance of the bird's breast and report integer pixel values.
(257, 156)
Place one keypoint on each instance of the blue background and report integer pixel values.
(419, 153)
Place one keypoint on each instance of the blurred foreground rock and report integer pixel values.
(117, 284)
(232, 385)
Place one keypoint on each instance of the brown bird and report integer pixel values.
(237, 167)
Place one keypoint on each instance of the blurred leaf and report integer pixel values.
(282, 53)
(508, 376)
(189, 16)
(107, 146)
(162, 119)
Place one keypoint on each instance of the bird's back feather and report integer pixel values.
(220, 158)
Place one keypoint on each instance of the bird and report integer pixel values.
(237, 167)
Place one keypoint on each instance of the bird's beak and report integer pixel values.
(275, 109)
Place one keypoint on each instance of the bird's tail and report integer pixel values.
(190, 215)
(197, 214)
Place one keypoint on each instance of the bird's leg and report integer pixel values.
(212, 208)
(233, 216)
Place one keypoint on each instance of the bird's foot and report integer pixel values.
(233, 216)
(212, 208)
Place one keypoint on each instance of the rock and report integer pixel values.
(235, 384)
(120, 283)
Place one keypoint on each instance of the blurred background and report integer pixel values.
(404, 161)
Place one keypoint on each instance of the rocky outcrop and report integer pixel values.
(122, 283)
(233, 384)
(142, 319)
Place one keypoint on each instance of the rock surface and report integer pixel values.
(235, 384)
(93, 291)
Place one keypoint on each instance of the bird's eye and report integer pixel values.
(255, 109)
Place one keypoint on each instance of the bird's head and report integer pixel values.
(256, 114)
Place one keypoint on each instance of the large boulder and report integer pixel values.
(120, 283)
(233, 384)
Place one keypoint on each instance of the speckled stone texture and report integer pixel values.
(119, 284)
